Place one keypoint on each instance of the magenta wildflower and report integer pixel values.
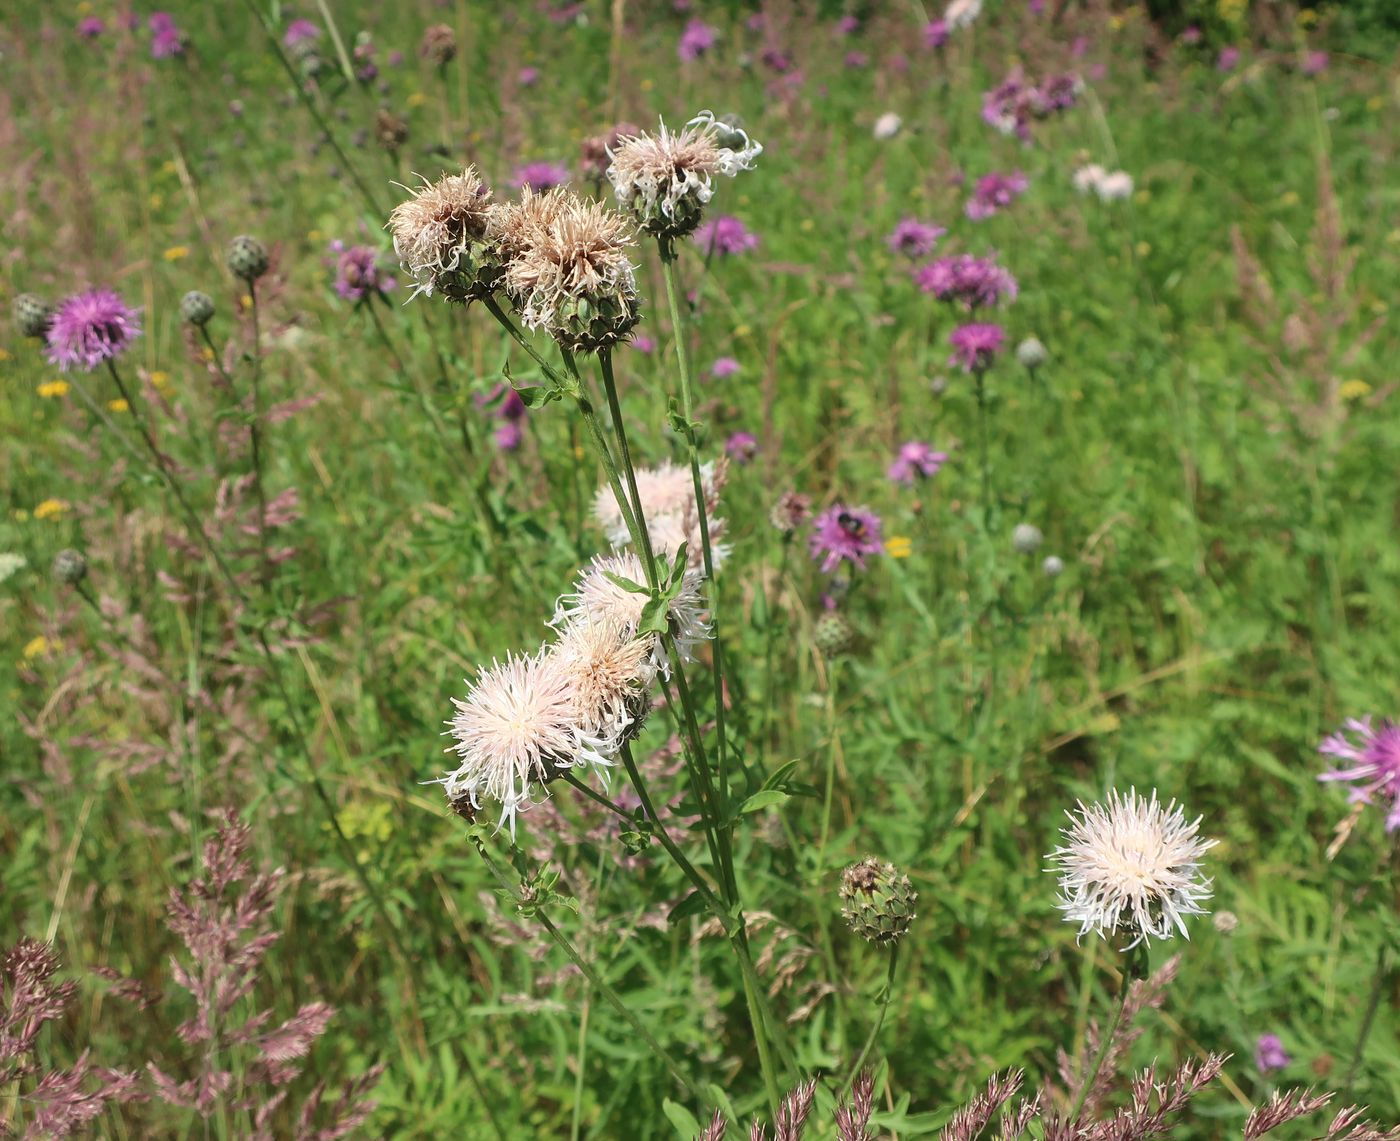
(91, 27)
(1192, 35)
(725, 235)
(970, 281)
(696, 40)
(741, 447)
(848, 25)
(509, 435)
(844, 534)
(1269, 1053)
(166, 43)
(995, 192)
(974, 346)
(160, 22)
(915, 460)
(300, 32)
(935, 34)
(527, 76)
(90, 328)
(1373, 763)
(914, 239)
(644, 344)
(724, 367)
(1315, 63)
(357, 273)
(856, 60)
(1227, 59)
(540, 176)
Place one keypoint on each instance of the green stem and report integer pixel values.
(625, 453)
(1125, 987)
(1373, 1003)
(886, 996)
(255, 436)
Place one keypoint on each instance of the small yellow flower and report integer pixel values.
(118, 405)
(168, 167)
(52, 389)
(579, 453)
(1306, 18)
(417, 99)
(743, 331)
(647, 84)
(156, 201)
(4, 355)
(246, 301)
(160, 379)
(1375, 103)
(1143, 249)
(899, 546)
(175, 253)
(38, 647)
(84, 8)
(206, 353)
(1288, 198)
(51, 509)
(315, 236)
(1354, 389)
(807, 225)
(1142, 197)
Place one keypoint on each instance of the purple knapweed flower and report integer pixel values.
(696, 40)
(527, 76)
(167, 42)
(844, 534)
(974, 346)
(995, 192)
(1269, 1053)
(540, 176)
(915, 460)
(90, 328)
(644, 344)
(856, 60)
(90, 27)
(1227, 59)
(300, 32)
(509, 435)
(724, 367)
(741, 447)
(1372, 756)
(848, 25)
(971, 281)
(776, 60)
(357, 273)
(1192, 35)
(935, 34)
(914, 239)
(1314, 63)
(725, 235)
(160, 22)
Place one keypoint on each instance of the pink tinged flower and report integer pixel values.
(741, 447)
(540, 176)
(166, 43)
(725, 235)
(696, 40)
(935, 34)
(970, 281)
(916, 460)
(844, 534)
(1315, 63)
(975, 346)
(1371, 756)
(90, 328)
(509, 435)
(300, 32)
(855, 60)
(91, 27)
(994, 193)
(1269, 1053)
(724, 367)
(1227, 59)
(644, 344)
(358, 276)
(914, 239)
(1192, 35)
(160, 22)
(848, 25)
(527, 76)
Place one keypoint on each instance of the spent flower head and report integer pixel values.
(446, 237)
(89, 328)
(1131, 868)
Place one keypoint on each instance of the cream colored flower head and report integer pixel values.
(569, 271)
(667, 493)
(665, 180)
(609, 670)
(445, 236)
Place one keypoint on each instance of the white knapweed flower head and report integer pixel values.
(1131, 867)
(887, 126)
(1088, 177)
(1115, 186)
(667, 493)
(666, 179)
(961, 13)
(516, 730)
(598, 600)
(445, 236)
(609, 671)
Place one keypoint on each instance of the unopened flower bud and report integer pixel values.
(1052, 566)
(247, 258)
(1026, 538)
(1031, 353)
(196, 307)
(833, 634)
(70, 567)
(1225, 922)
(878, 901)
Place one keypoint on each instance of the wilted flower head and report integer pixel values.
(994, 192)
(975, 346)
(90, 328)
(1026, 538)
(1131, 868)
(445, 236)
(438, 45)
(1269, 1053)
(725, 235)
(1114, 186)
(844, 534)
(571, 274)
(665, 179)
(357, 273)
(696, 40)
(515, 731)
(595, 152)
(916, 460)
(609, 669)
(971, 281)
(1032, 353)
(1087, 177)
(790, 511)
(1053, 566)
(1371, 763)
(915, 239)
(540, 176)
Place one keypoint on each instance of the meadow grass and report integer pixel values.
(1209, 448)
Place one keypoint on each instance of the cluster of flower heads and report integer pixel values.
(972, 282)
(1109, 185)
(1015, 103)
(671, 512)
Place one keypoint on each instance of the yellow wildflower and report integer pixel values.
(157, 201)
(38, 647)
(175, 253)
(51, 509)
(118, 405)
(1306, 18)
(1143, 249)
(206, 353)
(1375, 103)
(743, 331)
(417, 99)
(1142, 197)
(168, 167)
(647, 84)
(315, 236)
(1354, 389)
(899, 546)
(160, 379)
(52, 389)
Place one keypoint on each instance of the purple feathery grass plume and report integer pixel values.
(724, 367)
(916, 460)
(725, 235)
(1372, 762)
(971, 281)
(1269, 1053)
(357, 274)
(90, 27)
(844, 534)
(300, 32)
(969, 1122)
(696, 40)
(974, 346)
(935, 34)
(914, 239)
(741, 447)
(852, 1118)
(90, 328)
(540, 176)
(994, 193)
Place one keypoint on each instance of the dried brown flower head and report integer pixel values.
(438, 45)
(446, 237)
(390, 131)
